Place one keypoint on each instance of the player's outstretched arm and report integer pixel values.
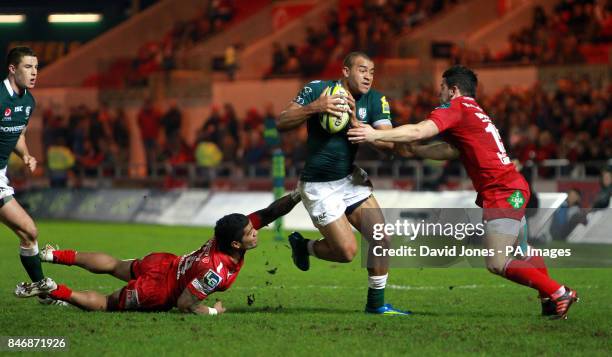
(191, 304)
(295, 115)
(276, 209)
(436, 151)
(405, 133)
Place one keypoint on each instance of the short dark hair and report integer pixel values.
(230, 228)
(350, 58)
(463, 78)
(17, 53)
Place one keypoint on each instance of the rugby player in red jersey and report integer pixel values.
(503, 193)
(161, 281)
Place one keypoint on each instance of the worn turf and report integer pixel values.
(275, 309)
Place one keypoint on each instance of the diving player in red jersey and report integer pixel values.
(161, 281)
(503, 193)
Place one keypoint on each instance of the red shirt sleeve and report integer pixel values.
(255, 219)
(196, 289)
(205, 283)
(445, 117)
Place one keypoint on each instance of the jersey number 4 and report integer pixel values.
(492, 129)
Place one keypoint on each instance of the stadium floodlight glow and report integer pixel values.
(74, 18)
(12, 18)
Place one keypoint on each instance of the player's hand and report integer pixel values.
(405, 150)
(30, 162)
(363, 133)
(219, 307)
(332, 104)
(352, 111)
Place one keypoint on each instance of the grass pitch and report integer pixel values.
(457, 311)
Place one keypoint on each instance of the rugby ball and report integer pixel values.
(331, 123)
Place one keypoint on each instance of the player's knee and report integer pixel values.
(30, 233)
(347, 253)
(496, 267)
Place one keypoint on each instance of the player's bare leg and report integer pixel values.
(523, 271)
(339, 244)
(87, 300)
(97, 263)
(18, 220)
(363, 218)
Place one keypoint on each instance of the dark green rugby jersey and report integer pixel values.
(330, 156)
(14, 116)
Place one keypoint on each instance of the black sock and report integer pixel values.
(376, 298)
(33, 267)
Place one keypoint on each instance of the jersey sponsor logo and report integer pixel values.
(385, 106)
(28, 109)
(12, 129)
(363, 112)
(299, 100)
(210, 281)
(19, 109)
(7, 112)
(307, 90)
(516, 199)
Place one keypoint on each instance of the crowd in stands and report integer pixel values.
(576, 31)
(368, 28)
(573, 122)
(161, 55)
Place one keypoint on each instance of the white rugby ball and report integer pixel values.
(331, 123)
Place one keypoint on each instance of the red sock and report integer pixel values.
(61, 293)
(538, 263)
(526, 274)
(65, 257)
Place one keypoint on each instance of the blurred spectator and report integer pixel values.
(59, 161)
(149, 123)
(568, 35)
(568, 216)
(230, 61)
(91, 158)
(603, 198)
(171, 122)
(255, 148)
(253, 120)
(367, 27)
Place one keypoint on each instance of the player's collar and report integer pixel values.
(464, 97)
(7, 84)
(227, 260)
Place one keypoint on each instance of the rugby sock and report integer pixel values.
(557, 294)
(376, 291)
(538, 263)
(526, 274)
(31, 262)
(61, 293)
(310, 247)
(65, 257)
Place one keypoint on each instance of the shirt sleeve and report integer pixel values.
(255, 219)
(205, 285)
(381, 111)
(309, 93)
(445, 117)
